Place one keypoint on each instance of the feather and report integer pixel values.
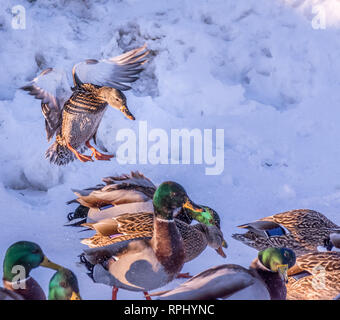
(51, 87)
(112, 72)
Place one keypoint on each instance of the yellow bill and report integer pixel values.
(49, 264)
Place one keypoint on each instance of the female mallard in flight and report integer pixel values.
(146, 264)
(20, 259)
(301, 230)
(264, 280)
(74, 116)
(316, 276)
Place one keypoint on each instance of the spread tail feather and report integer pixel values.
(59, 155)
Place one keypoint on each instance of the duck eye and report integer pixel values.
(62, 284)
(35, 251)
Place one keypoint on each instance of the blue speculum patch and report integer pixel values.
(275, 232)
(106, 207)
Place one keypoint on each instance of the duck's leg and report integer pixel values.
(146, 295)
(186, 275)
(79, 156)
(98, 155)
(114, 293)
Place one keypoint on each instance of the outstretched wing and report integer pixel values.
(113, 72)
(51, 87)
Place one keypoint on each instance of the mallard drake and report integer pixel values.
(264, 280)
(20, 259)
(316, 276)
(146, 264)
(74, 114)
(64, 286)
(301, 230)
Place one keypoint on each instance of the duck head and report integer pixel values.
(210, 218)
(278, 260)
(28, 255)
(116, 99)
(64, 286)
(169, 197)
(215, 239)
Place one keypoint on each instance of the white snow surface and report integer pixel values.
(256, 68)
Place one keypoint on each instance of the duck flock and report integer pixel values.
(143, 234)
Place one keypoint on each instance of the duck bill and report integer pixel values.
(126, 112)
(75, 296)
(192, 206)
(224, 244)
(282, 269)
(221, 252)
(49, 264)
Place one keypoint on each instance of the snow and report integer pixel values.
(259, 69)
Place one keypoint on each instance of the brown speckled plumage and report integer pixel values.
(74, 116)
(140, 225)
(315, 276)
(307, 229)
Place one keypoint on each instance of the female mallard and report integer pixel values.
(301, 230)
(264, 280)
(316, 276)
(146, 264)
(20, 259)
(74, 116)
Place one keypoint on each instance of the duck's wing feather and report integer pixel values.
(264, 228)
(125, 224)
(113, 211)
(317, 262)
(98, 254)
(51, 87)
(118, 190)
(135, 178)
(112, 72)
(305, 218)
(218, 282)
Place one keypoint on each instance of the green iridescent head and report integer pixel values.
(278, 260)
(64, 286)
(208, 217)
(25, 254)
(170, 196)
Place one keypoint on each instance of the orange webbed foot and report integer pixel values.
(81, 157)
(98, 155)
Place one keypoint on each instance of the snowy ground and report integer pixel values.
(259, 69)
